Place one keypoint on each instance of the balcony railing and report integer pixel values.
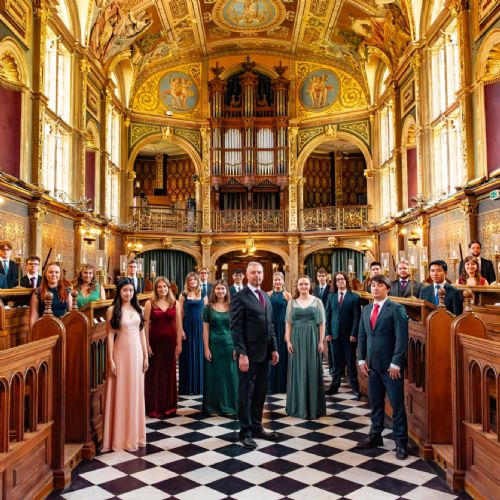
(258, 221)
(166, 219)
(348, 217)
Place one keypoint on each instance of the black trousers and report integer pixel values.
(252, 392)
(344, 354)
(380, 383)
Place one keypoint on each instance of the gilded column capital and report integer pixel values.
(293, 241)
(468, 207)
(130, 175)
(206, 242)
(84, 66)
(458, 6)
(369, 173)
(42, 12)
(37, 213)
(416, 61)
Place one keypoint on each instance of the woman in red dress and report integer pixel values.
(163, 324)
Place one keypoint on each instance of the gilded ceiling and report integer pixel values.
(158, 34)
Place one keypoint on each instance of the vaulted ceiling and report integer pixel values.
(341, 33)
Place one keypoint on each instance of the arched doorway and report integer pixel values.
(333, 260)
(271, 262)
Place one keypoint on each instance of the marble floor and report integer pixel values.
(190, 456)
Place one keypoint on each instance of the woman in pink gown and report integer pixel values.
(124, 415)
(163, 325)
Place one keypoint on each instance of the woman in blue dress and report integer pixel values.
(279, 301)
(191, 358)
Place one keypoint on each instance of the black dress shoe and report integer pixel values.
(332, 390)
(401, 452)
(371, 441)
(269, 436)
(249, 443)
(357, 395)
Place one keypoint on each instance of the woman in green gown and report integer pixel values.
(88, 288)
(304, 336)
(220, 378)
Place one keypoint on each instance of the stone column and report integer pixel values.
(206, 257)
(36, 217)
(396, 153)
(468, 207)
(292, 183)
(84, 70)
(41, 17)
(294, 271)
(461, 9)
(416, 64)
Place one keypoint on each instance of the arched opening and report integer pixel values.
(333, 260)
(409, 159)
(171, 264)
(30, 400)
(474, 396)
(271, 262)
(43, 394)
(491, 396)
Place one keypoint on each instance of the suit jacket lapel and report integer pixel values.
(347, 298)
(382, 312)
(368, 326)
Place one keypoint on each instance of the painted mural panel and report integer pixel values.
(178, 92)
(319, 90)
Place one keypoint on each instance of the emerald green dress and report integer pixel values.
(305, 391)
(220, 378)
(95, 294)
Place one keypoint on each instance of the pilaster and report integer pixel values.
(36, 217)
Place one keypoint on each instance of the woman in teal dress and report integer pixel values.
(88, 288)
(304, 336)
(220, 379)
(279, 300)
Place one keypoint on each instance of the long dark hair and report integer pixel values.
(116, 319)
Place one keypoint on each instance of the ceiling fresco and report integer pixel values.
(158, 34)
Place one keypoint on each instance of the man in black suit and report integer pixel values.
(402, 286)
(251, 322)
(206, 287)
(486, 267)
(343, 310)
(453, 299)
(32, 279)
(237, 285)
(382, 343)
(132, 275)
(322, 291)
(8, 267)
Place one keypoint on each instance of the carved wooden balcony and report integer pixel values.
(336, 218)
(166, 219)
(242, 221)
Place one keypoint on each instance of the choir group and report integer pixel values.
(200, 331)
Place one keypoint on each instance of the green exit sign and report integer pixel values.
(495, 195)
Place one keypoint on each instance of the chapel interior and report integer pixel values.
(304, 134)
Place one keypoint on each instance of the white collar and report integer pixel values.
(380, 302)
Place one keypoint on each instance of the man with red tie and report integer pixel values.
(32, 279)
(382, 344)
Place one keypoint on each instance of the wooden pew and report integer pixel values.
(86, 351)
(14, 318)
(31, 415)
(476, 420)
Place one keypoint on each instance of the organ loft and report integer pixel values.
(307, 135)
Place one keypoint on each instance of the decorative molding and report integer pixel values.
(191, 135)
(361, 129)
(139, 131)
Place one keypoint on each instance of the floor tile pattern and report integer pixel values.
(190, 456)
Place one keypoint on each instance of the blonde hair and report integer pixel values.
(186, 283)
(170, 294)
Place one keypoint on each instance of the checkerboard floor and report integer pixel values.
(190, 456)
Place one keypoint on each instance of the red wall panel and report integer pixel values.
(411, 170)
(90, 175)
(492, 113)
(10, 131)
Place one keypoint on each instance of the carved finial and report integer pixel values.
(74, 295)
(468, 296)
(280, 70)
(217, 70)
(441, 296)
(248, 65)
(48, 303)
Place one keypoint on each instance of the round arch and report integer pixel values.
(236, 68)
(318, 140)
(408, 141)
(180, 248)
(260, 246)
(489, 44)
(323, 246)
(10, 49)
(150, 139)
(93, 134)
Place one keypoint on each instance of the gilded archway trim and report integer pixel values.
(13, 66)
(157, 136)
(488, 58)
(179, 248)
(261, 246)
(320, 138)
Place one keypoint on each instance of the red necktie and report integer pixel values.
(374, 317)
(32, 282)
(261, 298)
(341, 298)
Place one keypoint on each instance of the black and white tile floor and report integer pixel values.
(190, 456)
